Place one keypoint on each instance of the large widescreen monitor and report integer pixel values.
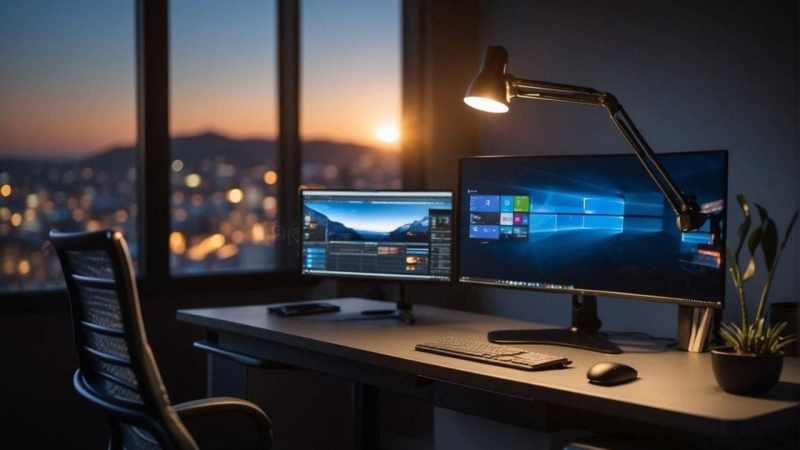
(593, 225)
(400, 235)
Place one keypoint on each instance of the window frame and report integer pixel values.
(153, 156)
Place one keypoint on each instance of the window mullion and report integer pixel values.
(289, 152)
(152, 70)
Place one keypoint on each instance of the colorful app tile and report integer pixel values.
(506, 218)
(521, 203)
(484, 231)
(520, 218)
(484, 218)
(507, 203)
(484, 203)
(506, 232)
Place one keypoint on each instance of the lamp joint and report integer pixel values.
(610, 103)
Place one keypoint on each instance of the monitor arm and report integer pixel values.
(685, 207)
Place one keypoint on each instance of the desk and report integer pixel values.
(676, 390)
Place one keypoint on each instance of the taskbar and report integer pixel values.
(400, 276)
(520, 284)
(550, 287)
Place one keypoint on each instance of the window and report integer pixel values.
(67, 130)
(350, 134)
(223, 119)
(68, 127)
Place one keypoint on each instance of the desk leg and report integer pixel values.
(225, 378)
(366, 409)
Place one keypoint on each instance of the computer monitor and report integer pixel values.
(395, 235)
(592, 225)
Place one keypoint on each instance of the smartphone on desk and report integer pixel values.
(303, 309)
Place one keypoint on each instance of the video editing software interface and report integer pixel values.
(592, 223)
(388, 234)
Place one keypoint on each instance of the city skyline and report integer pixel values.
(71, 90)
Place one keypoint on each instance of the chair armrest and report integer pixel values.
(226, 422)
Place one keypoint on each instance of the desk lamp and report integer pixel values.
(492, 91)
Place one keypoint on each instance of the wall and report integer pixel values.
(693, 76)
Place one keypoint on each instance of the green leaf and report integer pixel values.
(744, 228)
(789, 230)
(730, 339)
(743, 204)
(774, 334)
(762, 213)
(769, 243)
(752, 246)
(784, 342)
(733, 267)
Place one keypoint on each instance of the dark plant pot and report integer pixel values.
(745, 374)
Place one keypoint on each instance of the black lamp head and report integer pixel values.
(489, 91)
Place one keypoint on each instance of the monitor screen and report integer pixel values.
(386, 234)
(593, 224)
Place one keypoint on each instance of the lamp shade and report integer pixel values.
(489, 90)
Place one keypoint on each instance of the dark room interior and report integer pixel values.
(610, 265)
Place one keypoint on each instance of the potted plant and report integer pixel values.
(752, 358)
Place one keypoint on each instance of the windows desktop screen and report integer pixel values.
(592, 223)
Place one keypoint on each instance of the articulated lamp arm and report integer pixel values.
(494, 88)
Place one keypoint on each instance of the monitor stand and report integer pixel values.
(584, 332)
(403, 312)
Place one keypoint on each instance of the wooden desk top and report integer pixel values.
(674, 389)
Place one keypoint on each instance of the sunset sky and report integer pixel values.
(68, 76)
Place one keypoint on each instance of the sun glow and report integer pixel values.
(388, 133)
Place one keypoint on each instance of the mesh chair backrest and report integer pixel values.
(116, 363)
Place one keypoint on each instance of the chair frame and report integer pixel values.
(165, 422)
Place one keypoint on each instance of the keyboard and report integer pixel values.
(500, 355)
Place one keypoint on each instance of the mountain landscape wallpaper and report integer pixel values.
(408, 230)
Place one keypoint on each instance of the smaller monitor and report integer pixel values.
(396, 235)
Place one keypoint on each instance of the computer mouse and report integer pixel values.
(611, 373)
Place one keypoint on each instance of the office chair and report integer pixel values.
(117, 370)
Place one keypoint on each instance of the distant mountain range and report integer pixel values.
(416, 231)
(195, 148)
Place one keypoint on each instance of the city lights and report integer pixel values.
(227, 251)
(270, 204)
(24, 267)
(223, 210)
(121, 216)
(257, 233)
(32, 201)
(201, 250)
(235, 195)
(177, 243)
(193, 180)
(270, 177)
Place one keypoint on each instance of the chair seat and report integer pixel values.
(225, 423)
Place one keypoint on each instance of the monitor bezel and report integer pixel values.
(385, 277)
(459, 278)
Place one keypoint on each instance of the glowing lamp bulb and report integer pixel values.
(486, 104)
